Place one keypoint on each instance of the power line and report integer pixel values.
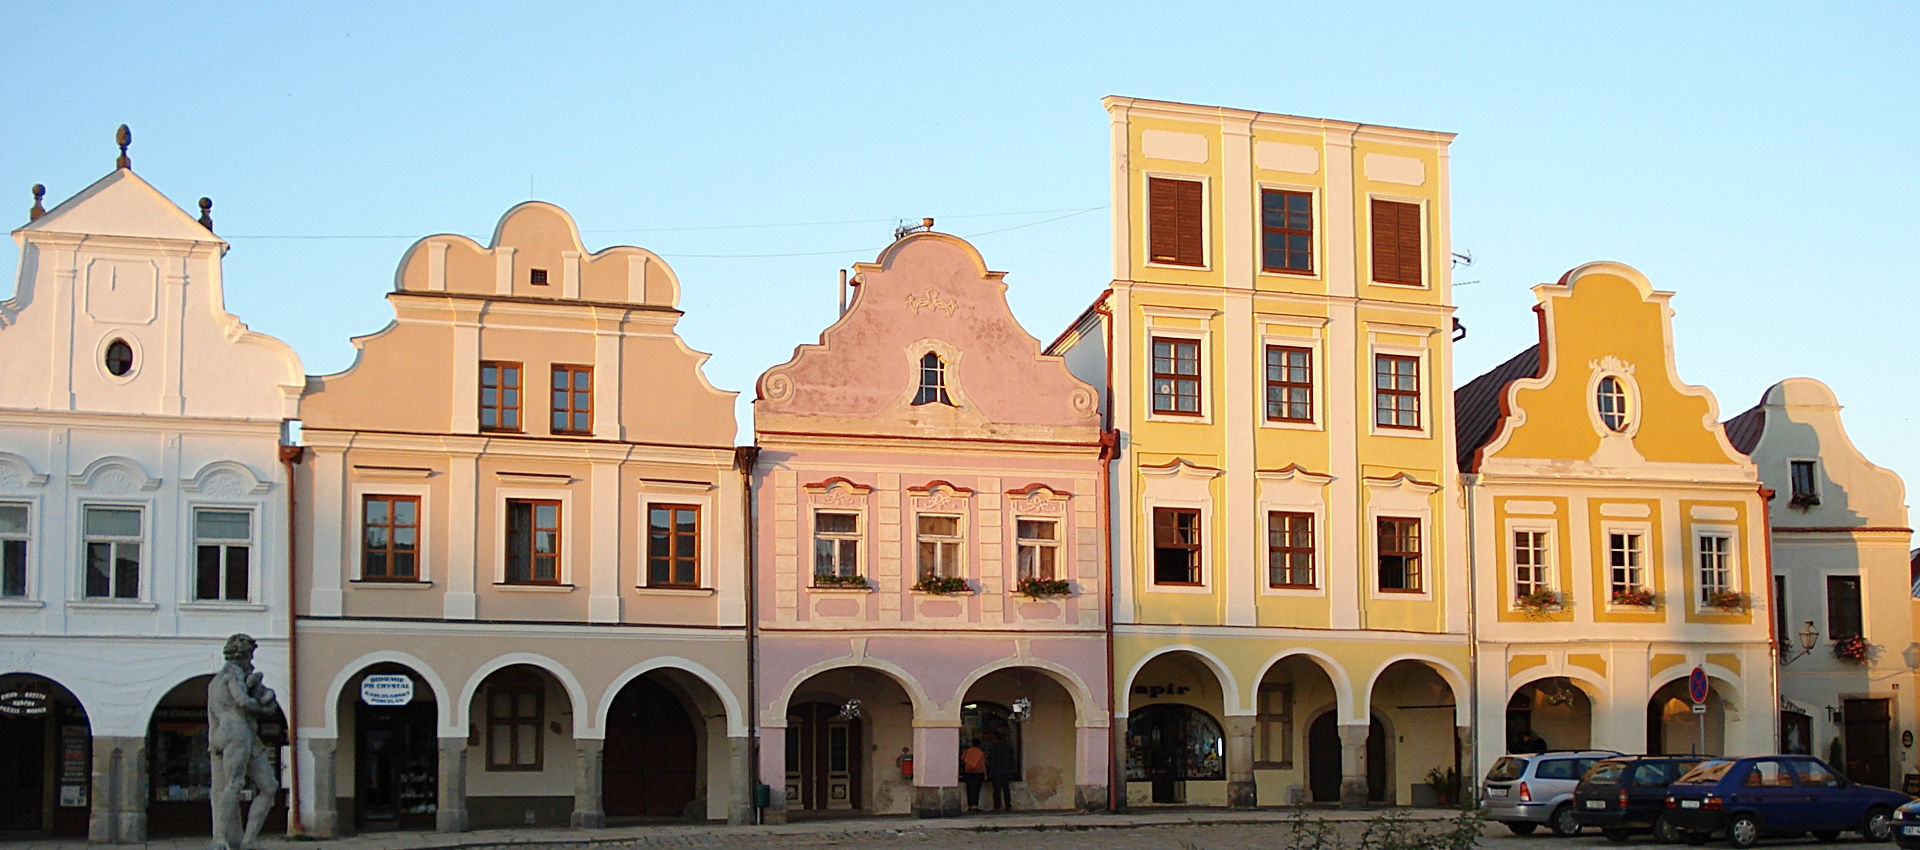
(761, 226)
(869, 248)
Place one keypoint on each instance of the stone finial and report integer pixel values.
(124, 137)
(39, 192)
(926, 223)
(206, 214)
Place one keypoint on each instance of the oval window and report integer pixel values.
(119, 358)
(1611, 396)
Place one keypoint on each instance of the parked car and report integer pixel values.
(1749, 797)
(1626, 795)
(1525, 790)
(1906, 825)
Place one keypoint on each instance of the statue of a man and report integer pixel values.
(236, 700)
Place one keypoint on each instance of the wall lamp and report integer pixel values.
(1808, 637)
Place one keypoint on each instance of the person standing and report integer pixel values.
(1000, 771)
(973, 771)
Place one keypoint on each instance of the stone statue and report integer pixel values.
(236, 701)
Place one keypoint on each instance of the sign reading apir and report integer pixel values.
(386, 689)
(1157, 691)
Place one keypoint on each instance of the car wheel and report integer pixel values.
(1664, 831)
(1878, 825)
(1522, 827)
(1826, 834)
(1743, 831)
(1562, 822)
(1617, 836)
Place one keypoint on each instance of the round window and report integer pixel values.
(1611, 397)
(119, 358)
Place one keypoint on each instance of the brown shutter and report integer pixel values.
(1193, 236)
(1397, 254)
(1175, 234)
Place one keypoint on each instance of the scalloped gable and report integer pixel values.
(927, 292)
(1800, 420)
(1607, 318)
(121, 204)
(537, 236)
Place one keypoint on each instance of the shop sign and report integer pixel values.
(386, 689)
(23, 703)
(74, 769)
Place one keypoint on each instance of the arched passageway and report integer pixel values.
(1041, 739)
(846, 731)
(1411, 694)
(180, 770)
(1176, 751)
(1549, 713)
(46, 758)
(655, 763)
(390, 714)
(1674, 727)
(1326, 775)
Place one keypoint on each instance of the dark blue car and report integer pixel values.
(1747, 798)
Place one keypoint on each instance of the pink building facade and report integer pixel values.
(929, 564)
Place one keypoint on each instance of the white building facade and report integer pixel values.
(143, 511)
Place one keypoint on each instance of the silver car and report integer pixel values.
(1525, 790)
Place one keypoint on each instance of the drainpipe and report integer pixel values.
(289, 457)
(745, 458)
(1109, 453)
(1470, 776)
(1773, 614)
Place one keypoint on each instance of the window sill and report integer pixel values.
(1402, 284)
(514, 587)
(211, 606)
(390, 585)
(22, 604)
(129, 606)
(1292, 424)
(936, 595)
(1170, 264)
(840, 588)
(644, 590)
(1165, 587)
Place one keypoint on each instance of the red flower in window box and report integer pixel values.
(941, 585)
(1853, 649)
(1033, 587)
(1540, 601)
(1638, 596)
(1728, 600)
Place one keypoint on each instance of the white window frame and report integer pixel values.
(1311, 341)
(569, 523)
(1427, 246)
(1375, 349)
(1401, 498)
(145, 540)
(1206, 220)
(859, 536)
(1549, 566)
(1644, 531)
(1627, 385)
(1057, 544)
(28, 584)
(1293, 490)
(1728, 536)
(1319, 272)
(1818, 496)
(700, 496)
(958, 542)
(191, 575)
(1156, 321)
(422, 571)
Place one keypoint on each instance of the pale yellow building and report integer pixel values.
(1275, 353)
(1619, 539)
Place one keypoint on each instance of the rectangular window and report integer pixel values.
(222, 544)
(1037, 548)
(1843, 607)
(1176, 232)
(1396, 391)
(1529, 563)
(836, 544)
(514, 718)
(390, 541)
(1716, 566)
(13, 549)
(1806, 492)
(673, 546)
(1397, 255)
(1625, 573)
(1289, 384)
(537, 277)
(499, 396)
(1176, 546)
(1780, 619)
(1276, 726)
(1286, 231)
(1289, 549)
(573, 399)
(533, 541)
(113, 553)
(1176, 376)
(1399, 544)
(939, 545)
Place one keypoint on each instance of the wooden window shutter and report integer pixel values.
(1175, 234)
(1397, 254)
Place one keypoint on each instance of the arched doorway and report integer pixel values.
(180, 770)
(1411, 694)
(651, 765)
(846, 731)
(1043, 738)
(389, 713)
(1324, 771)
(46, 758)
(1674, 727)
(1554, 711)
(1175, 750)
(521, 750)
(1291, 691)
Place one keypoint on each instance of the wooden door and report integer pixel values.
(1323, 759)
(1869, 742)
(823, 758)
(23, 773)
(652, 751)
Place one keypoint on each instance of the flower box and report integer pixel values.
(1041, 588)
(831, 580)
(1853, 649)
(1728, 600)
(1540, 601)
(1636, 596)
(941, 585)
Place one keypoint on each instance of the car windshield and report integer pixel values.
(1507, 769)
(1606, 773)
(1707, 771)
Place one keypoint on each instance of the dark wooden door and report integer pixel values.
(824, 769)
(1376, 762)
(1869, 741)
(396, 780)
(1323, 759)
(23, 773)
(651, 756)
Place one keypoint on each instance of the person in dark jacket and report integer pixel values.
(1000, 771)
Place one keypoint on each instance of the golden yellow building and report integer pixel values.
(1275, 354)
(1619, 539)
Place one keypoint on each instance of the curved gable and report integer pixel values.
(1802, 422)
(536, 253)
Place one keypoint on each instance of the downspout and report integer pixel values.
(745, 458)
(1773, 614)
(1470, 777)
(289, 457)
(1109, 454)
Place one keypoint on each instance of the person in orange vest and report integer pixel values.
(973, 771)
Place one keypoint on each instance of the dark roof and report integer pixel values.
(1743, 431)
(1476, 406)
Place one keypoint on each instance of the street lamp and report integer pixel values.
(1808, 637)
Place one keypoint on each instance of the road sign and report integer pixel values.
(1699, 708)
(1697, 687)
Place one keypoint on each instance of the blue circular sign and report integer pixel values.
(1697, 685)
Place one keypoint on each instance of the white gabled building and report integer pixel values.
(143, 511)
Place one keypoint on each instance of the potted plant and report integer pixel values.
(837, 580)
(1637, 596)
(941, 585)
(1728, 600)
(1445, 783)
(1803, 501)
(1540, 601)
(1034, 587)
(1853, 649)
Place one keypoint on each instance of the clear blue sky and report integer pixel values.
(1756, 159)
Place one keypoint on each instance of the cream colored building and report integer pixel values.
(521, 517)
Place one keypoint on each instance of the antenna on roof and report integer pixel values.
(39, 192)
(1462, 259)
(903, 229)
(124, 137)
